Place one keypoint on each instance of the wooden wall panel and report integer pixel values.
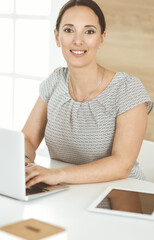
(129, 43)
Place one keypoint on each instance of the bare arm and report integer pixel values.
(34, 128)
(129, 134)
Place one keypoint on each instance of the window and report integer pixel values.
(28, 55)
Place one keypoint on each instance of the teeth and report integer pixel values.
(78, 52)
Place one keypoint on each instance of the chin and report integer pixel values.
(78, 62)
(79, 65)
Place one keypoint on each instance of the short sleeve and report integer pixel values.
(48, 86)
(132, 93)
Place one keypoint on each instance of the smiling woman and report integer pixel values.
(89, 115)
(78, 39)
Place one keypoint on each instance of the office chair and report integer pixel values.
(146, 159)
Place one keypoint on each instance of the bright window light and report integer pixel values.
(55, 51)
(33, 7)
(25, 95)
(6, 104)
(32, 47)
(6, 45)
(6, 6)
(28, 53)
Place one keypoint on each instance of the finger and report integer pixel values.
(30, 165)
(33, 181)
(30, 173)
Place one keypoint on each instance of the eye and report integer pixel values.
(90, 31)
(68, 30)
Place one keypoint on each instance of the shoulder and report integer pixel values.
(56, 75)
(130, 92)
(129, 86)
(128, 81)
(123, 93)
(121, 80)
(123, 83)
(48, 86)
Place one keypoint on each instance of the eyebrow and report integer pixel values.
(71, 25)
(91, 26)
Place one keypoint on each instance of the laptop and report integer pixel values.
(12, 169)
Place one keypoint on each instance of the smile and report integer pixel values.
(79, 53)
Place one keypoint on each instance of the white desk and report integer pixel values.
(68, 209)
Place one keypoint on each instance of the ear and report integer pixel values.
(56, 33)
(103, 36)
(102, 39)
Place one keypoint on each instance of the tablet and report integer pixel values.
(125, 202)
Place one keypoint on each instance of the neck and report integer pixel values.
(84, 79)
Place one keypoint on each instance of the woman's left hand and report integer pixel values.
(36, 174)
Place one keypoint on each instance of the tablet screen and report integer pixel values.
(128, 201)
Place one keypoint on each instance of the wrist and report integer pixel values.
(28, 159)
(62, 175)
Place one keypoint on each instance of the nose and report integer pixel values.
(78, 39)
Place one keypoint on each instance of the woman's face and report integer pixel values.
(79, 36)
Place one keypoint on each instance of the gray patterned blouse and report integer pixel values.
(78, 132)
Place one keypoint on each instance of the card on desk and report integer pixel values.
(32, 230)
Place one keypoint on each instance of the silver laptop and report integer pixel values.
(12, 169)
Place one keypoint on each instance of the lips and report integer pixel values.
(78, 52)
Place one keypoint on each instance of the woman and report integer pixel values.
(89, 115)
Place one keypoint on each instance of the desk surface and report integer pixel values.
(68, 209)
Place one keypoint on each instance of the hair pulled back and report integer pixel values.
(88, 3)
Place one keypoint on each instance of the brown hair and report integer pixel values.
(88, 3)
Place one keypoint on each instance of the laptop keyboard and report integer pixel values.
(37, 188)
